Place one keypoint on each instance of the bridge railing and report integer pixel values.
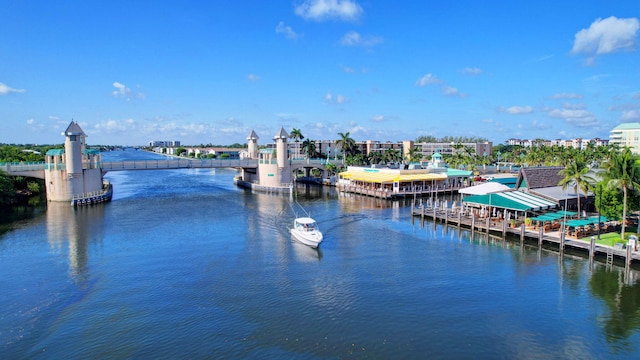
(176, 164)
(22, 166)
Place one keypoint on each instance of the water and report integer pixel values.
(182, 264)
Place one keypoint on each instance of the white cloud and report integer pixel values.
(428, 79)
(606, 36)
(334, 99)
(253, 77)
(518, 110)
(576, 117)
(30, 121)
(378, 118)
(353, 38)
(630, 116)
(451, 91)
(124, 92)
(471, 71)
(6, 89)
(566, 96)
(320, 10)
(288, 32)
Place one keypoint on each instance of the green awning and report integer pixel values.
(511, 200)
(55, 152)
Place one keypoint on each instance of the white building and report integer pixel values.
(627, 135)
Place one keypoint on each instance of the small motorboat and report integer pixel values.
(305, 230)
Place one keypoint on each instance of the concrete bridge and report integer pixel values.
(76, 173)
(37, 169)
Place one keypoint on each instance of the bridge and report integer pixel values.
(37, 169)
(76, 173)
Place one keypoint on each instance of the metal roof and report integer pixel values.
(511, 200)
(55, 152)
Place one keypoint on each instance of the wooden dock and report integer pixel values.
(501, 228)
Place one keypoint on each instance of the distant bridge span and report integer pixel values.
(36, 169)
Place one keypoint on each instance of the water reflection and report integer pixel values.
(623, 303)
(77, 227)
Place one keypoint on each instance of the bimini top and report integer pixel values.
(511, 200)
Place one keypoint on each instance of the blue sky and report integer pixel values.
(210, 72)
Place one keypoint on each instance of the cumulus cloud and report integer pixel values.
(320, 10)
(253, 77)
(123, 92)
(471, 71)
(517, 110)
(353, 38)
(566, 96)
(630, 116)
(334, 99)
(452, 91)
(287, 31)
(6, 89)
(428, 79)
(378, 118)
(606, 36)
(579, 117)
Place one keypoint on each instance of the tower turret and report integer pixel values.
(252, 145)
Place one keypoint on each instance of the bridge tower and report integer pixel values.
(252, 145)
(282, 155)
(74, 170)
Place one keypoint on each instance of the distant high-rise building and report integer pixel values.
(627, 135)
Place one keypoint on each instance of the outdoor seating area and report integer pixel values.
(574, 227)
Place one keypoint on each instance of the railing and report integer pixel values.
(154, 164)
(176, 164)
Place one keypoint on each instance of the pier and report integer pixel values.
(502, 228)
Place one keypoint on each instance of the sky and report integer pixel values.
(202, 72)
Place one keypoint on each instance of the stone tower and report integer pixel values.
(252, 145)
(282, 154)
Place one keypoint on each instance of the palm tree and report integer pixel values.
(414, 154)
(576, 173)
(346, 144)
(391, 155)
(296, 135)
(622, 171)
(309, 147)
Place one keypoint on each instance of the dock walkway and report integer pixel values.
(502, 228)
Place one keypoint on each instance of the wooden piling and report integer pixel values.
(522, 233)
(540, 235)
(592, 249)
(488, 224)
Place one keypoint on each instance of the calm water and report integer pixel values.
(181, 264)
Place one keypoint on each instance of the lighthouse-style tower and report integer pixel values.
(282, 155)
(252, 145)
(74, 170)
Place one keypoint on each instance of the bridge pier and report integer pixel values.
(73, 171)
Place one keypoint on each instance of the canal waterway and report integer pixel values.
(182, 264)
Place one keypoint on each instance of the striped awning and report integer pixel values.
(511, 200)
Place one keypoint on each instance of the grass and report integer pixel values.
(611, 238)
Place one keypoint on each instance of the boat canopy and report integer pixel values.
(511, 200)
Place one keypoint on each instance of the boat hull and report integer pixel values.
(309, 238)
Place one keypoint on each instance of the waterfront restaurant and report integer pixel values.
(389, 183)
